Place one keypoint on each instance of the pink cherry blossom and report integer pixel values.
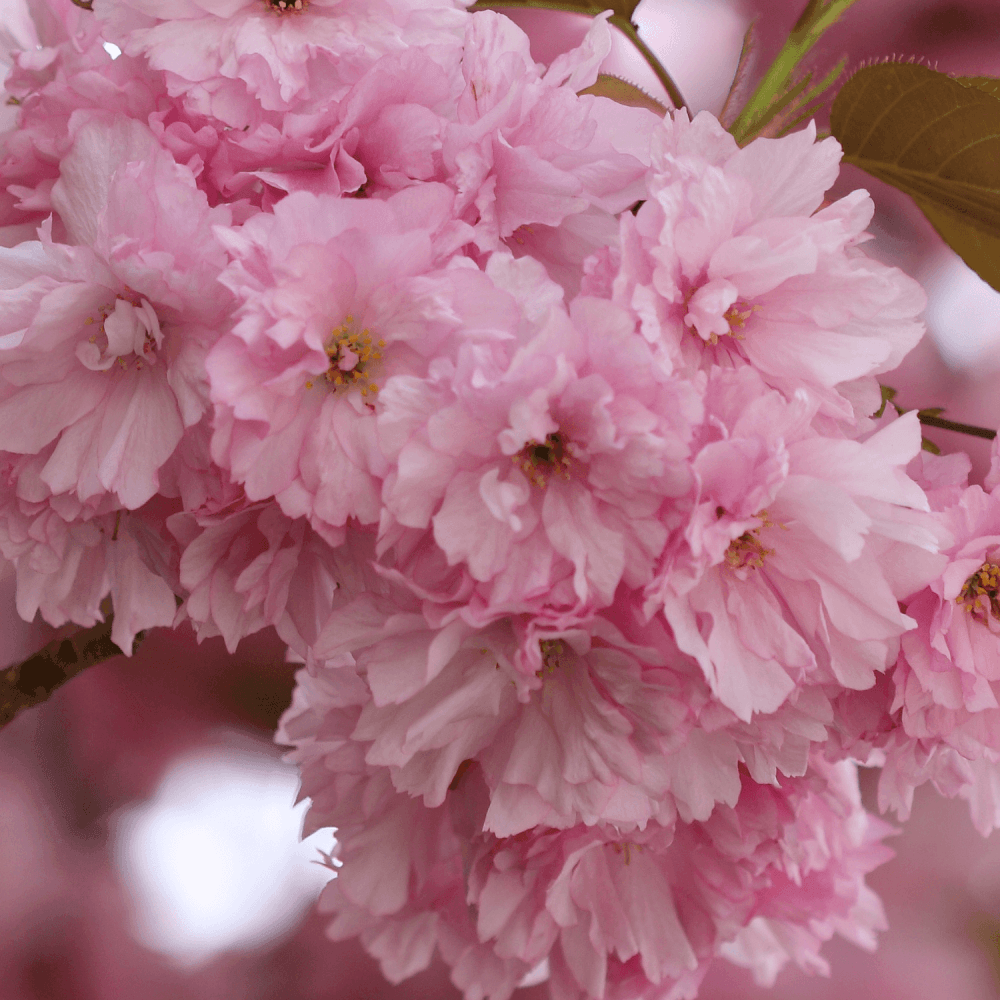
(253, 567)
(733, 260)
(526, 151)
(774, 582)
(228, 58)
(946, 680)
(69, 556)
(104, 341)
(613, 914)
(336, 296)
(541, 462)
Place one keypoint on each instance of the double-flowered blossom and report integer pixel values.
(940, 720)
(335, 296)
(229, 59)
(540, 461)
(611, 911)
(546, 434)
(775, 581)
(733, 259)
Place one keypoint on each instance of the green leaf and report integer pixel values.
(988, 83)
(978, 248)
(623, 92)
(937, 139)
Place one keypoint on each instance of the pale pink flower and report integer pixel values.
(613, 913)
(253, 567)
(782, 576)
(405, 909)
(526, 151)
(336, 296)
(634, 915)
(103, 342)
(51, 45)
(947, 679)
(572, 725)
(732, 260)
(541, 462)
(228, 58)
(70, 556)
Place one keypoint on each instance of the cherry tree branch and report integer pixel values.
(27, 684)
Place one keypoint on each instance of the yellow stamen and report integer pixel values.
(352, 355)
(625, 849)
(540, 460)
(980, 594)
(553, 651)
(748, 551)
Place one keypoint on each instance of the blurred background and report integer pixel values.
(148, 828)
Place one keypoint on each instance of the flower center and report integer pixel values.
(286, 6)
(737, 315)
(353, 356)
(553, 651)
(980, 594)
(748, 551)
(624, 848)
(131, 334)
(540, 460)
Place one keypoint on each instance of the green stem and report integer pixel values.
(620, 21)
(815, 19)
(951, 425)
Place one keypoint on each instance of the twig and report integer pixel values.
(950, 425)
(27, 684)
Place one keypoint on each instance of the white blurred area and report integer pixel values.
(704, 77)
(963, 314)
(213, 861)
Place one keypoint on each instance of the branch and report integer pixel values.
(930, 416)
(27, 684)
(931, 420)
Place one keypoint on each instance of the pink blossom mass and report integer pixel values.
(547, 434)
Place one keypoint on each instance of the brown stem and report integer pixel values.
(929, 420)
(27, 684)
(85, 4)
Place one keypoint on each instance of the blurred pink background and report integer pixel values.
(147, 835)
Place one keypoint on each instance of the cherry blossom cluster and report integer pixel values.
(547, 432)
